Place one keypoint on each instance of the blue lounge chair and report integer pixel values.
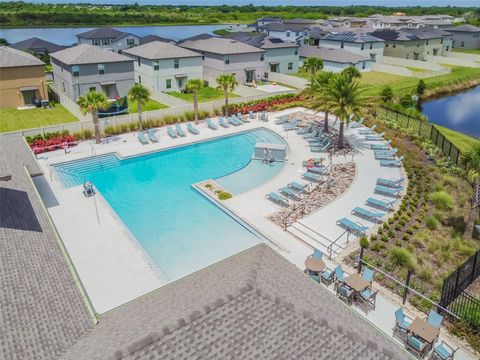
(387, 191)
(443, 351)
(382, 204)
(237, 119)
(192, 129)
(211, 125)
(152, 136)
(233, 121)
(395, 162)
(367, 130)
(416, 345)
(172, 133)
(313, 134)
(435, 319)
(277, 199)
(352, 226)
(304, 130)
(141, 137)
(402, 323)
(372, 215)
(281, 120)
(180, 131)
(251, 115)
(311, 177)
(391, 151)
(317, 141)
(289, 192)
(312, 162)
(375, 137)
(320, 170)
(240, 116)
(357, 124)
(367, 274)
(394, 183)
(384, 146)
(320, 148)
(385, 155)
(222, 122)
(298, 187)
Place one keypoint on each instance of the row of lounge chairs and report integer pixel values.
(293, 191)
(152, 137)
(382, 152)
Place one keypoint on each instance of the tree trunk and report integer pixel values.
(325, 125)
(140, 126)
(226, 102)
(340, 135)
(473, 214)
(195, 106)
(98, 139)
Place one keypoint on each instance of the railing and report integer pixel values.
(467, 308)
(295, 208)
(334, 242)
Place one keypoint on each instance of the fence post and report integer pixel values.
(407, 284)
(474, 267)
(450, 149)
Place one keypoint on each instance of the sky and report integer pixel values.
(280, 2)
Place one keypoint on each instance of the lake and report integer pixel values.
(67, 36)
(459, 112)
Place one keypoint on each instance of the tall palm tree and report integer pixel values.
(141, 95)
(316, 87)
(313, 64)
(194, 86)
(472, 158)
(227, 83)
(352, 72)
(345, 99)
(91, 103)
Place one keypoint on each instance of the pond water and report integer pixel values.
(67, 36)
(459, 112)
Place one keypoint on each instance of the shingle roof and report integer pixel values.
(88, 54)
(284, 27)
(35, 43)
(102, 33)
(41, 309)
(150, 38)
(261, 41)
(160, 50)
(253, 305)
(10, 57)
(333, 55)
(351, 36)
(409, 34)
(221, 46)
(199, 37)
(464, 28)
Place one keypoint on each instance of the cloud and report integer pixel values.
(461, 107)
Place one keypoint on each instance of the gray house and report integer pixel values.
(108, 38)
(222, 56)
(165, 67)
(465, 36)
(81, 68)
(297, 33)
(336, 60)
(37, 46)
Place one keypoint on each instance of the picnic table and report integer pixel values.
(356, 282)
(314, 265)
(424, 330)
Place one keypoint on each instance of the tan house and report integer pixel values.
(22, 78)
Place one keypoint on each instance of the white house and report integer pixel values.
(335, 60)
(108, 38)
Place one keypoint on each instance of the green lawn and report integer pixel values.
(221, 32)
(151, 105)
(13, 119)
(472, 51)
(204, 95)
(302, 74)
(461, 141)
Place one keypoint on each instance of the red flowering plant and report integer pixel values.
(264, 104)
(50, 141)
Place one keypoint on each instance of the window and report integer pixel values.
(462, 44)
(139, 79)
(176, 63)
(363, 66)
(418, 43)
(63, 85)
(362, 47)
(371, 46)
(156, 65)
(287, 34)
(101, 69)
(96, 42)
(168, 83)
(342, 44)
(386, 45)
(296, 51)
(227, 60)
(394, 45)
(139, 62)
(297, 33)
(447, 48)
(76, 70)
(290, 66)
(441, 41)
(105, 42)
(426, 43)
(92, 88)
(130, 42)
(262, 57)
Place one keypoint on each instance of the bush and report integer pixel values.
(223, 195)
(202, 114)
(364, 242)
(169, 119)
(401, 257)
(442, 200)
(189, 115)
(132, 126)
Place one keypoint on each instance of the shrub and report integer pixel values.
(364, 242)
(202, 114)
(132, 126)
(223, 195)
(109, 130)
(432, 222)
(442, 200)
(425, 273)
(377, 246)
(401, 257)
(189, 115)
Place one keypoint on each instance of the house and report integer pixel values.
(150, 38)
(295, 33)
(108, 38)
(335, 60)
(222, 55)
(465, 36)
(355, 41)
(415, 44)
(22, 79)
(349, 22)
(37, 46)
(82, 68)
(280, 56)
(165, 67)
(402, 21)
(304, 22)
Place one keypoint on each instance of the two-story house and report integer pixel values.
(165, 67)
(108, 38)
(335, 60)
(465, 36)
(222, 55)
(82, 68)
(296, 33)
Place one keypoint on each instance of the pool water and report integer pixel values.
(180, 229)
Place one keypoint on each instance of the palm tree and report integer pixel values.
(194, 86)
(141, 95)
(316, 87)
(227, 83)
(352, 72)
(343, 98)
(472, 159)
(313, 64)
(92, 103)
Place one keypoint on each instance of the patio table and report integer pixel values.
(356, 282)
(314, 265)
(424, 330)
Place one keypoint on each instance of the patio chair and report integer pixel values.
(180, 131)
(351, 226)
(320, 148)
(320, 170)
(319, 140)
(385, 155)
(327, 276)
(274, 197)
(312, 162)
(345, 293)
(387, 191)
(339, 275)
(222, 122)
(152, 136)
(435, 319)
(375, 137)
(317, 254)
(298, 187)
(304, 130)
(251, 115)
(141, 137)
(393, 183)
(211, 125)
(280, 120)
(416, 345)
(382, 204)
(233, 121)
(391, 151)
(172, 133)
(357, 124)
(367, 130)
(402, 323)
(367, 274)
(289, 192)
(312, 177)
(370, 215)
(395, 162)
(384, 146)
(443, 351)
(192, 129)
(311, 135)
(368, 299)
(240, 116)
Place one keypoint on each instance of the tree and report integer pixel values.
(387, 94)
(141, 95)
(344, 98)
(91, 103)
(226, 83)
(352, 72)
(194, 86)
(313, 64)
(316, 87)
(472, 159)
(421, 86)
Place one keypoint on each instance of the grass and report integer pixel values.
(302, 74)
(471, 51)
(461, 141)
(13, 119)
(151, 105)
(415, 69)
(205, 94)
(221, 32)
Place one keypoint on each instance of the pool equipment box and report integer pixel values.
(268, 151)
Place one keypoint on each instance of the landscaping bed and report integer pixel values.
(204, 94)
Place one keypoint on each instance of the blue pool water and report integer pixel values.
(180, 229)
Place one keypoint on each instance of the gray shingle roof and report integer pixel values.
(351, 36)
(261, 41)
(102, 33)
(410, 34)
(160, 50)
(35, 43)
(333, 55)
(284, 27)
(253, 305)
(88, 54)
(41, 309)
(10, 57)
(221, 46)
(464, 28)
(150, 38)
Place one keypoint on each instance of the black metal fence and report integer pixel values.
(466, 307)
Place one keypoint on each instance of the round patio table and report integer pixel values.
(314, 265)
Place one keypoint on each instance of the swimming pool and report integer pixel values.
(180, 229)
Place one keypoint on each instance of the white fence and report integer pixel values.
(69, 104)
(291, 80)
(403, 71)
(426, 65)
(455, 61)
